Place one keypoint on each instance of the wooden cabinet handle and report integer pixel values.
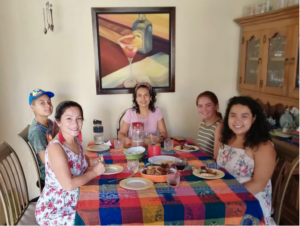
(292, 60)
(259, 61)
(286, 60)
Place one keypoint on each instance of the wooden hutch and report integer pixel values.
(269, 73)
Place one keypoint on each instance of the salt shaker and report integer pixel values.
(98, 131)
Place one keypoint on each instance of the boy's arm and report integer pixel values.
(42, 156)
(39, 142)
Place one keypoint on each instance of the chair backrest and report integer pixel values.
(24, 136)
(120, 120)
(13, 187)
(286, 161)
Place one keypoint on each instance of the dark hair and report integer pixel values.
(60, 110)
(212, 97)
(152, 102)
(259, 130)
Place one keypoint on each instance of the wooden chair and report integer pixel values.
(120, 120)
(24, 136)
(13, 189)
(286, 162)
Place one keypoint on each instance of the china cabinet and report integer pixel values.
(269, 64)
(269, 73)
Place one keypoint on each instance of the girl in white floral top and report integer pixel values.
(246, 152)
(65, 167)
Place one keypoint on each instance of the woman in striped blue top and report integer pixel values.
(211, 124)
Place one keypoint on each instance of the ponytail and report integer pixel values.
(219, 114)
(55, 129)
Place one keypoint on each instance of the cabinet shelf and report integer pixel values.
(277, 58)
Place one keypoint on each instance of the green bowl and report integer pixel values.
(130, 153)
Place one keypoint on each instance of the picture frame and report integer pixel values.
(133, 45)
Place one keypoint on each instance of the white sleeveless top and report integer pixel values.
(57, 206)
(241, 166)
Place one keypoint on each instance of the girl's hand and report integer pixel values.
(99, 169)
(154, 139)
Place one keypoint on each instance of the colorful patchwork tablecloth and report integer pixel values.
(195, 201)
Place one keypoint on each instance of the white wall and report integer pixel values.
(207, 50)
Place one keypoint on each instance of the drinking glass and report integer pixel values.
(251, 10)
(168, 144)
(130, 44)
(133, 165)
(280, 4)
(292, 2)
(118, 144)
(180, 164)
(147, 138)
(173, 178)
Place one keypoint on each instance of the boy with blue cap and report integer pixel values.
(40, 130)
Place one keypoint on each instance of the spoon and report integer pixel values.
(48, 14)
(51, 26)
(45, 30)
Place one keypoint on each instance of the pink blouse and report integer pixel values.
(150, 123)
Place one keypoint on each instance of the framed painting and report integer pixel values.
(134, 45)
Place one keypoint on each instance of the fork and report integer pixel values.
(122, 178)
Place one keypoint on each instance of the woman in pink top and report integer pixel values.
(144, 111)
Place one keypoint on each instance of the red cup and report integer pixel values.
(154, 150)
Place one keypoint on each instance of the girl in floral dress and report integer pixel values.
(246, 152)
(65, 167)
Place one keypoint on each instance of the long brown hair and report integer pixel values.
(212, 97)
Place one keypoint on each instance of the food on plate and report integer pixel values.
(179, 139)
(184, 146)
(157, 170)
(166, 162)
(205, 170)
(135, 152)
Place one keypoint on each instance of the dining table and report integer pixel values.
(195, 201)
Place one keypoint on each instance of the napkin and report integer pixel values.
(107, 143)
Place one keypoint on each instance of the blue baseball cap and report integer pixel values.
(37, 93)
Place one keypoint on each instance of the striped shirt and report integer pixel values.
(206, 137)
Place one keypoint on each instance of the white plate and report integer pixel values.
(159, 159)
(178, 148)
(136, 183)
(112, 169)
(219, 175)
(139, 149)
(98, 147)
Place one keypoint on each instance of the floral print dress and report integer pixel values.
(241, 166)
(57, 206)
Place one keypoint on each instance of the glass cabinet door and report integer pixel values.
(276, 61)
(275, 67)
(252, 58)
(293, 85)
(250, 69)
